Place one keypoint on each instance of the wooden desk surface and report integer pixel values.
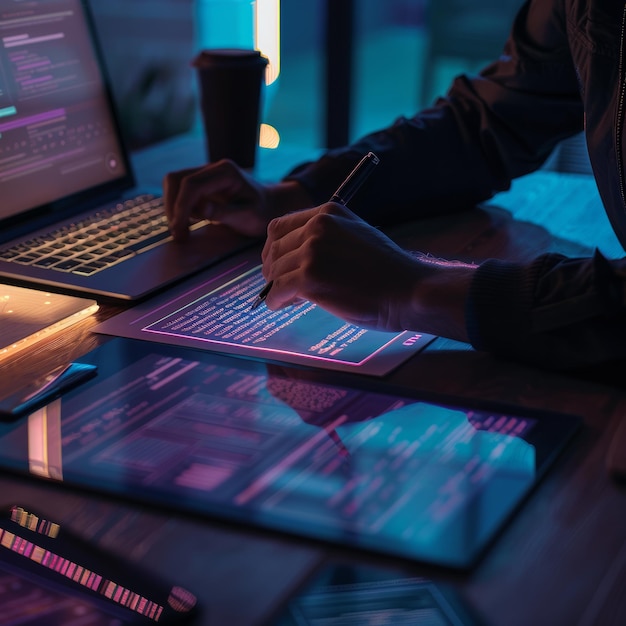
(561, 560)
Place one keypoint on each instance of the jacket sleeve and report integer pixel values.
(556, 312)
(488, 130)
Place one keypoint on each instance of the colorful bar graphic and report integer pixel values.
(8, 111)
(83, 576)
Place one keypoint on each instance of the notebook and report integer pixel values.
(30, 315)
(64, 167)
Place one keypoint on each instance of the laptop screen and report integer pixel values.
(58, 136)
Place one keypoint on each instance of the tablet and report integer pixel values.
(345, 593)
(215, 311)
(344, 459)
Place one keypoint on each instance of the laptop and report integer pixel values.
(72, 218)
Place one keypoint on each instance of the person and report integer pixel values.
(561, 72)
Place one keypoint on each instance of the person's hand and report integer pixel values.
(222, 192)
(330, 256)
(219, 192)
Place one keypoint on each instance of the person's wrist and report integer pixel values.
(286, 197)
(439, 296)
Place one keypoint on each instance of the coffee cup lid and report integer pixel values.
(236, 56)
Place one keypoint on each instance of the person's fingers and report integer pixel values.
(200, 193)
(291, 230)
(279, 226)
(171, 188)
(292, 264)
(285, 290)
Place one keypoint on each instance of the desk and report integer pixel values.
(561, 560)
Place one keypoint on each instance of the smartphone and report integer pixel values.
(51, 575)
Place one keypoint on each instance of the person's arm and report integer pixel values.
(554, 312)
(488, 130)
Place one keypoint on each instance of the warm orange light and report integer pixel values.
(267, 35)
(268, 137)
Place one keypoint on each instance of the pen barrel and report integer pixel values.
(355, 179)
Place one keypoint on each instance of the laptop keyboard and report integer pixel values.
(103, 239)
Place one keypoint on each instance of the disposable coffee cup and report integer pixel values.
(230, 82)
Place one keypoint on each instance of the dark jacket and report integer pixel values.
(562, 70)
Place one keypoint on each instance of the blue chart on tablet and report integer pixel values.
(215, 313)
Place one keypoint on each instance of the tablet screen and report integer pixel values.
(213, 311)
(348, 461)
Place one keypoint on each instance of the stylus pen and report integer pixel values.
(343, 195)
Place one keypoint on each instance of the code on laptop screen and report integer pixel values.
(57, 132)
